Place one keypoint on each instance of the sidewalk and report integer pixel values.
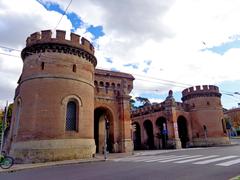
(98, 158)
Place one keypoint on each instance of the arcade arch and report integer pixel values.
(162, 135)
(101, 115)
(183, 131)
(137, 136)
(149, 132)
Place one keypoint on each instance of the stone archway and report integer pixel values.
(137, 136)
(149, 132)
(183, 131)
(102, 114)
(162, 135)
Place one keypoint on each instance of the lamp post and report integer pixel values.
(165, 135)
(133, 135)
(205, 134)
(3, 126)
(107, 126)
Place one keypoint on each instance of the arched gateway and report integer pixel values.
(149, 142)
(183, 131)
(102, 116)
(137, 136)
(162, 135)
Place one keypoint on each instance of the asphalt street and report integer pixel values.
(217, 163)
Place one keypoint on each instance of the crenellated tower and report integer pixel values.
(54, 100)
(205, 108)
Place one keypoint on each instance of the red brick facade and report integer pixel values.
(197, 121)
(62, 101)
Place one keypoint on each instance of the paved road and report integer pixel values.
(210, 163)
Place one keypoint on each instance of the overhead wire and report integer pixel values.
(9, 48)
(6, 54)
(63, 14)
(144, 78)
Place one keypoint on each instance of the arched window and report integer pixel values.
(71, 116)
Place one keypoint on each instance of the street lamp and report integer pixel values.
(107, 126)
(133, 135)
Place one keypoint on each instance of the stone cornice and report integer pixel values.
(58, 48)
(199, 94)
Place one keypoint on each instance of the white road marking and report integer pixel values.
(229, 163)
(162, 158)
(144, 158)
(132, 158)
(179, 158)
(196, 159)
(214, 160)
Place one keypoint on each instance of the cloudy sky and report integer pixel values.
(165, 44)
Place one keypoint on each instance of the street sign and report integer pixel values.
(164, 131)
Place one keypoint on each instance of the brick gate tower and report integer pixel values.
(54, 101)
(206, 115)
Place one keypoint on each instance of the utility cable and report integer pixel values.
(9, 55)
(63, 14)
(12, 49)
(147, 78)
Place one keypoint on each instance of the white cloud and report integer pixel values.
(19, 19)
(169, 33)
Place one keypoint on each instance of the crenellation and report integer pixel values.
(185, 92)
(46, 34)
(60, 35)
(198, 88)
(205, 87)
(86, 44)
(198, 91)
(75, 38)
(35, 36)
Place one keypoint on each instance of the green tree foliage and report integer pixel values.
(1, 121)
(143, 101)
(132, 104)
(10, 109)
(9, 116)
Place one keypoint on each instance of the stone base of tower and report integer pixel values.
(52, 150)
(211, 141)
(126, 146)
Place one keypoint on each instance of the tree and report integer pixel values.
(143, 101)
(132, 104)
(9, 113)
(9, 116)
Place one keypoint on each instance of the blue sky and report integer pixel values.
(174, 48)
(224, 47)
(76, 21)
(97, 31)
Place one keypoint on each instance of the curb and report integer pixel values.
(20, 167)
(235, 178)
